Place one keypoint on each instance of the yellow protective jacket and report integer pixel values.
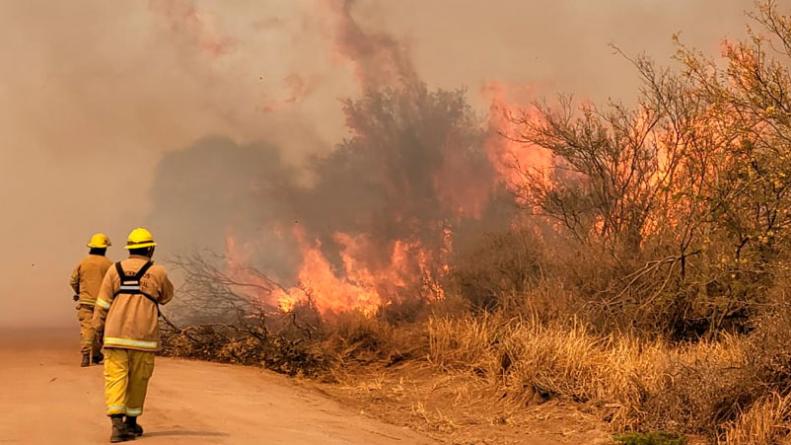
(128, 313)
(86, 279)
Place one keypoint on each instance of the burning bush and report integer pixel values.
(684, 199)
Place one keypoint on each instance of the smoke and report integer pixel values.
(382, 206)
(193, 26)
(378, 58)
(95, 94)
(100, 98)
(412, 170)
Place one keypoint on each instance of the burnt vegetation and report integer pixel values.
(644, 274)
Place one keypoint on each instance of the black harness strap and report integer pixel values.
(130, 285)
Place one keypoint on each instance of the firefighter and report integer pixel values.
(85, 281)
(128, 309)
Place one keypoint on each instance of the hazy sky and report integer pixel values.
(94, 93)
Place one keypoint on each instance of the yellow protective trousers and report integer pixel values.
(126, 375)
(90, 341)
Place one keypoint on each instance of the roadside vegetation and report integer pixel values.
(645, 278)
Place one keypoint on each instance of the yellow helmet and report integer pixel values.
(99, 241)
(140, 238)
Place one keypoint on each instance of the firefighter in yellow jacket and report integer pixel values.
(128, 308)
(85, 281)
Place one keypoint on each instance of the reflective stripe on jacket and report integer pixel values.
(131, 321)
(86, 279)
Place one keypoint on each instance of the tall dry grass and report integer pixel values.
(639, 384)
(765, 423)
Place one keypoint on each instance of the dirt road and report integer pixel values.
(45, 398)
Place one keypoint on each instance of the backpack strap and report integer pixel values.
(130, 284)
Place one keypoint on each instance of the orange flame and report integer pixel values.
(355, 285)
(516, 163)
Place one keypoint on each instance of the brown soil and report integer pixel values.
(460, 409)
(46, 398)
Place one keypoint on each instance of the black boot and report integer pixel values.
(133, 427)
(120, 433)
(86, 360)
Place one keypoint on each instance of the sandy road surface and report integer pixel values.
(45, 398)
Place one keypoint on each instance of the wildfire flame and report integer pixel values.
(356, 270)
(352, 271)
(516, 164)
(355, 285)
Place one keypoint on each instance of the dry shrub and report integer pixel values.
(770, 349)
(765, 423)
(299, 343)
(465, 343)
(553, 361)
(354, 338)
(499, 264)
(697, 387)
(768, 419)
(285, 352)
(286, 343)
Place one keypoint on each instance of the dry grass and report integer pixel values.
(457, 407)
(639, 384)
(724, 389)
(765, 423)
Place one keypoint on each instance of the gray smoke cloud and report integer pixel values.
(98, 97)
